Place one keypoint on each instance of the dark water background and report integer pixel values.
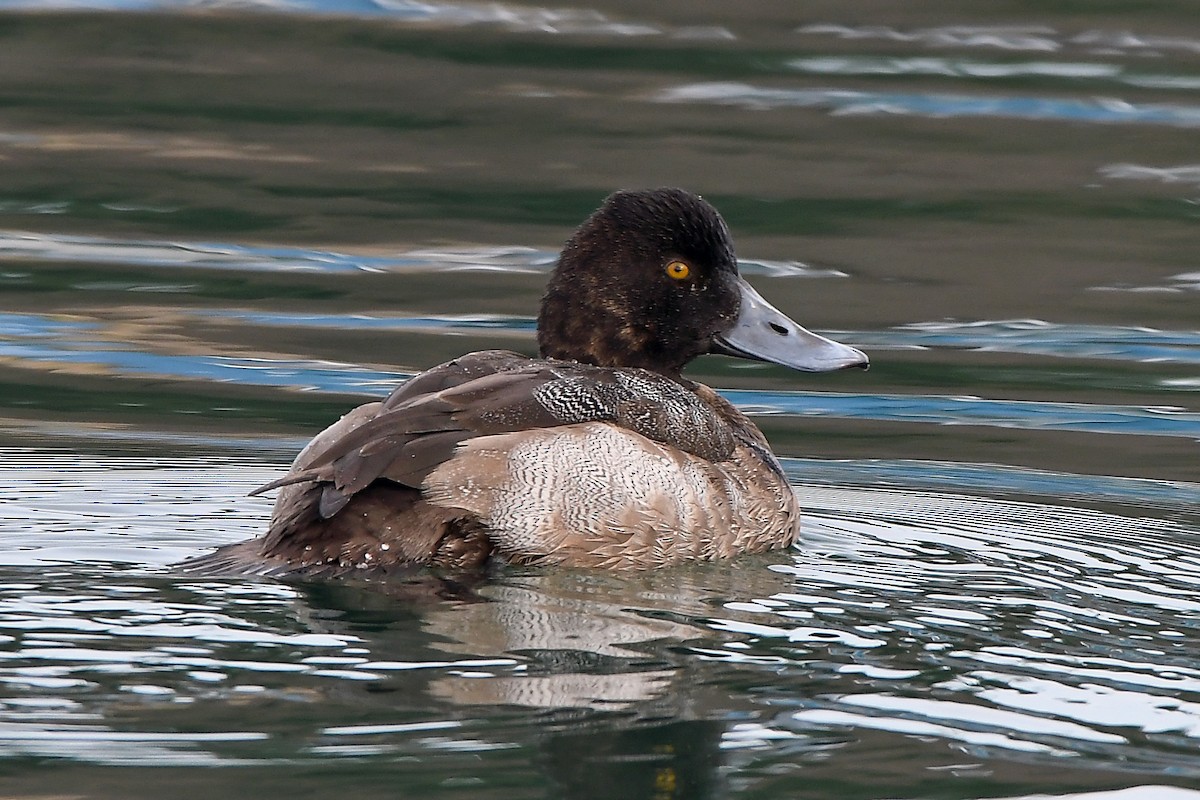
(224, 224)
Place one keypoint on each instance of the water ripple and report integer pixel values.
(445, 322)
(993, 479)
(843, 101)
(37, 339)
(60, 248)
(1005, 37)
(54, 342)
(1183, 282)
(18, 246)
(984, 70)
(1038, 337)
(1043, 628)
(963, 410)
(99, 744)
(1039, 628)
(305, 375)
(504, 16)
(1037, 38)
(1184, 173)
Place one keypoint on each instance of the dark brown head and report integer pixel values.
(650, 280)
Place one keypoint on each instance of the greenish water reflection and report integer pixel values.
(220, 230)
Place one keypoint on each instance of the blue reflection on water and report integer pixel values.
(1040, 338)
(517, 18)
(28, 337)
(299, 374)
(953, 410)
(262, 258)
(407, 10)
(47, 340)
(842, 101)
(37, 326)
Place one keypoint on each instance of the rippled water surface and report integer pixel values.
(223, 225)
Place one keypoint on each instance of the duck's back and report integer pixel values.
(533, 461)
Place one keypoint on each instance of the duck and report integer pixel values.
(598, 453)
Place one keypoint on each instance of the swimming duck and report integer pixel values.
(598, 453)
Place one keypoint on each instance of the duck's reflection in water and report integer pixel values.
(586, 645)
(603, 658)
(579, 639)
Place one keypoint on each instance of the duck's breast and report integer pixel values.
(599, 495)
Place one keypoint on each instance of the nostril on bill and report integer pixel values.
(782, 331)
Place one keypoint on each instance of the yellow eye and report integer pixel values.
(679, 271)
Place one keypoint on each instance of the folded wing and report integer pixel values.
(419, 426)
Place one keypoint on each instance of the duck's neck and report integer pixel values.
(596, 335)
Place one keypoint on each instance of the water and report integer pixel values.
(222, 226)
